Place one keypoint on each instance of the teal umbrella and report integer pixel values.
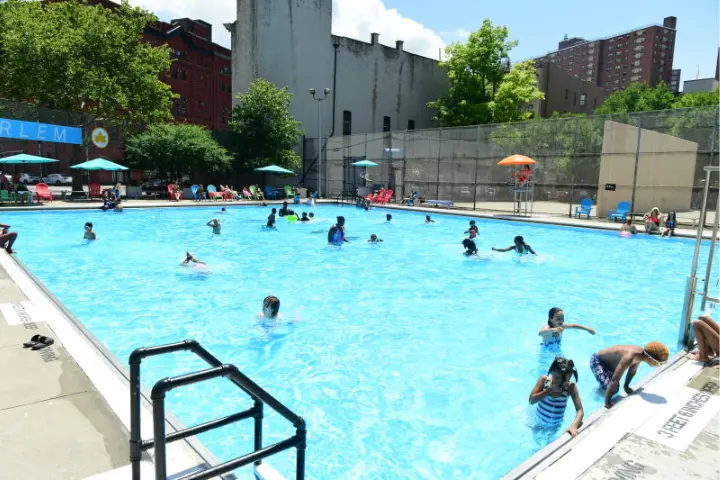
(25, 158)
(274, 169)
(365, 163)
(100, 164)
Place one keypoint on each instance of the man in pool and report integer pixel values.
(271, 219)
(520, 247)
(89, 233)
(7, 238)
(336, 234)
(610, 364)
(215, 224)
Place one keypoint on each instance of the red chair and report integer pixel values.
(95, 191)
(42, 192)
(171, 192)
(374, 198)
(385, 198)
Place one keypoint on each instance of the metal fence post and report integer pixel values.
(404, 169)
(477, 162)
(572, 167)
(637, 162)
(437, 177)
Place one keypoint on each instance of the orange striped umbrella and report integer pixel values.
(516, 160)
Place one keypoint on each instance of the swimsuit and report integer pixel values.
(551, 410)
(602, 374)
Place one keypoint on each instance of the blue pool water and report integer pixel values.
(406, 359)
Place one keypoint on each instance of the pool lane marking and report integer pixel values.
(20, 313)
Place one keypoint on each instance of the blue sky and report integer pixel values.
(538, 26)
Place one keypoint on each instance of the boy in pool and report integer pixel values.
(428, 219)
(89, 233)
(610, 364)
(190, 258)
(215, 224)
(374, 239)
(304, 217)
(552, 332)
(520, 247)
(470, 247)
(551, 392)
(271, 219)
(270, 308)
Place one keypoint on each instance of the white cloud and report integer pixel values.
(351, 18)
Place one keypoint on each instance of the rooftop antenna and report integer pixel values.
(440, 54)
(697, 75)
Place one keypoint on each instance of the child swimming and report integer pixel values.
(271, 219)
(388, 217)
(374, 239)
(520, 247)
(304, 217)
(190, 258)
(270, 308)
(428, 219)
(89, 233)
(551, 393)
(670, 223)
(215, 224)
(552, 332)
(470, 247)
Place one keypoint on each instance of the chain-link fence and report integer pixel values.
(648, 158)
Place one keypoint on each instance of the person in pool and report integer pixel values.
(552, 332)
(388, 218)
(270, 308)
(304, 217)
(271, 219)
(610, 364)
(551, 393)
(89, 233)
(629, 227)
(470, 247)
(336, 234)
(670, 223)
(312, 215)
(428, 219)
(520, 247)
(374, 239)
(223, 210)
(285, 211)
(473, 226)
(189, 258)
(215, 224)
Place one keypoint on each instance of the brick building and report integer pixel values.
(613, 63)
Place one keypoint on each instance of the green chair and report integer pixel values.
(6, 196)
(289, 193)
(254, 192)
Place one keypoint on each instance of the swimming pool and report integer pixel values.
(406, 359)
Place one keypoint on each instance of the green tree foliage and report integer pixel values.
(477, 71)
(638, 97)
(177, 149)
(81, 58)
(701, 99)
(264, 131)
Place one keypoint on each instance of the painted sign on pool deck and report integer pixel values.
(45, 132)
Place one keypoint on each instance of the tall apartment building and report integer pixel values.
(613, 63)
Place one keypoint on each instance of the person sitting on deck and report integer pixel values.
(707, 333)
(7, 238)
(670, 223)
(652, 220)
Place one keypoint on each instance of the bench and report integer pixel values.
(438, 203)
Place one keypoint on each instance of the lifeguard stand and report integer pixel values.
(522, 185)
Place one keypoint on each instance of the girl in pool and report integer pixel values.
(552, 332)
(520, 247)
(215, 224)
(551, 393)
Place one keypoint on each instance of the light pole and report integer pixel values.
(319, 99)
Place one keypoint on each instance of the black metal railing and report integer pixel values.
(346, 195)
(160, 439)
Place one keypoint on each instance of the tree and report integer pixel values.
(476, 71)
(638, 97)
(177, 149)
(517, 88)
(700, 99)
(264, 131)
(80, 58)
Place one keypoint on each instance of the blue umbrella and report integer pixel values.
(100, 164)
(274, 169)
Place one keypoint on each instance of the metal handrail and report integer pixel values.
(160, 440)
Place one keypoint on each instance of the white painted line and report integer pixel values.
(19, 313)
(683, 420)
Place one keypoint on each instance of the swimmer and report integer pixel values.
(89, 233)
(270, 308)
(304, 217)
(190, 258)
(271, 219)
(223, 210)
(470, 247)
(388, 218)
(552, 333)
(285, 211)
(520, 247)
(629, 227)
(215, 224)
(336, 234)
(472, 227)
(312, 215)
(551, 393)
(374, 239)
(428, 219)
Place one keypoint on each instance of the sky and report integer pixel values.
(426, 27)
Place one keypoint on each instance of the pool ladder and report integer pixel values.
(232, 373)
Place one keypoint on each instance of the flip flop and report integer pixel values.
(33, 340)
(42, 343)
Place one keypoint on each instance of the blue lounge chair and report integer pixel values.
(623, 208)
(584, 208)
(194, 190)
(270, 194)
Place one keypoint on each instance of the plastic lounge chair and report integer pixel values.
(584, 208)
(171, 193)
(385, 198)
(379, 196)
(247, 193)
(213, 193)
(43, 192)
(6, 196)
(270, 194)
(289, 193)
(95, 191)
(194, 189)
(623, 208)
(254, 192)
(438, 203)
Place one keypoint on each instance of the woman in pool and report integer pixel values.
(336, 234)
(551, 393)
(653, 220)
(520, 247)
(270, 308)
(552, 333)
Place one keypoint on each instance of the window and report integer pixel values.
(386, 124)
(347, 122)
(567, 93)
(583, 99)
(411, 125)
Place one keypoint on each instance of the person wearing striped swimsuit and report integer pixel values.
(551, 393)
